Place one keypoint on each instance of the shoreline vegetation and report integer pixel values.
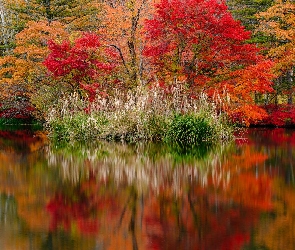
(183, 72)
(143, 115)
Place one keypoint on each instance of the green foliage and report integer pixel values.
(145, 115)
(155, 127)
(11, 124)
(67, 11)
(82, 126)
(190, 153)
(245, 11)
(78, 127)
(189, 130)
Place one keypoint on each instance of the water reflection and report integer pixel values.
(147, 196)
(147, 166)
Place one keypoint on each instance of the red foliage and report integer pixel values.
(279, 115)
(85, 63)
(199, 43)
(200, 37)
(20, 110)
(25, 113)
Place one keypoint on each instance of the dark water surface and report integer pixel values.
(148, 196)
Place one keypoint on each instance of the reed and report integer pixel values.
(141, 114)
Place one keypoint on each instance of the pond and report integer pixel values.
(148, 196)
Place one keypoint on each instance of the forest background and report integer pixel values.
(135, 64)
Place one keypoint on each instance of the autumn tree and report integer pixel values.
(82, 15)
(278, 22)
(121, 28)
(32, 24)
(200, 42)
(23, 71)
(84, 64)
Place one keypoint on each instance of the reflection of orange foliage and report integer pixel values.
(242, 185)
(195, 222)
(18, 182)
(38, 143)
(183, 213)
(251, 191)
(278, 232)
(31, 209)
(247, 159)
(24, 140)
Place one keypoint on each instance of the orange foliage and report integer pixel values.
(121, 28)
(279, 22)
(24, 69)
(31, 49)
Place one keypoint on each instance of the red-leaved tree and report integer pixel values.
(83, 64)
(199, 42)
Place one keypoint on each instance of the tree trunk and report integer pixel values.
(290, 86)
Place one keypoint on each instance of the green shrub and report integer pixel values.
(155, 127)
(189, 130)
(78, 127)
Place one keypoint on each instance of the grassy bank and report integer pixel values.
(144, 114)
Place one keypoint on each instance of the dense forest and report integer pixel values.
(133, 68)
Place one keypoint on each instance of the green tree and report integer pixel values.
(245, 11)
(8, 28)
(76, 14)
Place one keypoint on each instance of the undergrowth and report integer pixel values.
(144, 114)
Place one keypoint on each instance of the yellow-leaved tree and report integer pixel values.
(278, 22)
(121, 28)
(23, 72)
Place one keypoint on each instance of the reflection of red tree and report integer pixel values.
(197, 222)
(219, 215)
(21, 137)
(272, 137)
(65, 211)
(80, 207)
(279, 136)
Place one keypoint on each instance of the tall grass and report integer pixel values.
(141, 114)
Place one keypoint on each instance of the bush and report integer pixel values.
(279, 115)
(78, 127)
(189, 130)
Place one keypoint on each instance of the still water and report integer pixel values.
(148, 196)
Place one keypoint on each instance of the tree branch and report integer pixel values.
(121, 56)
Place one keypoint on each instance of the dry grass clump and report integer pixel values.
(141, 114)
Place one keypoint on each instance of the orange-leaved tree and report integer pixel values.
(278, 22)
(121, 29)
(23, 70)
